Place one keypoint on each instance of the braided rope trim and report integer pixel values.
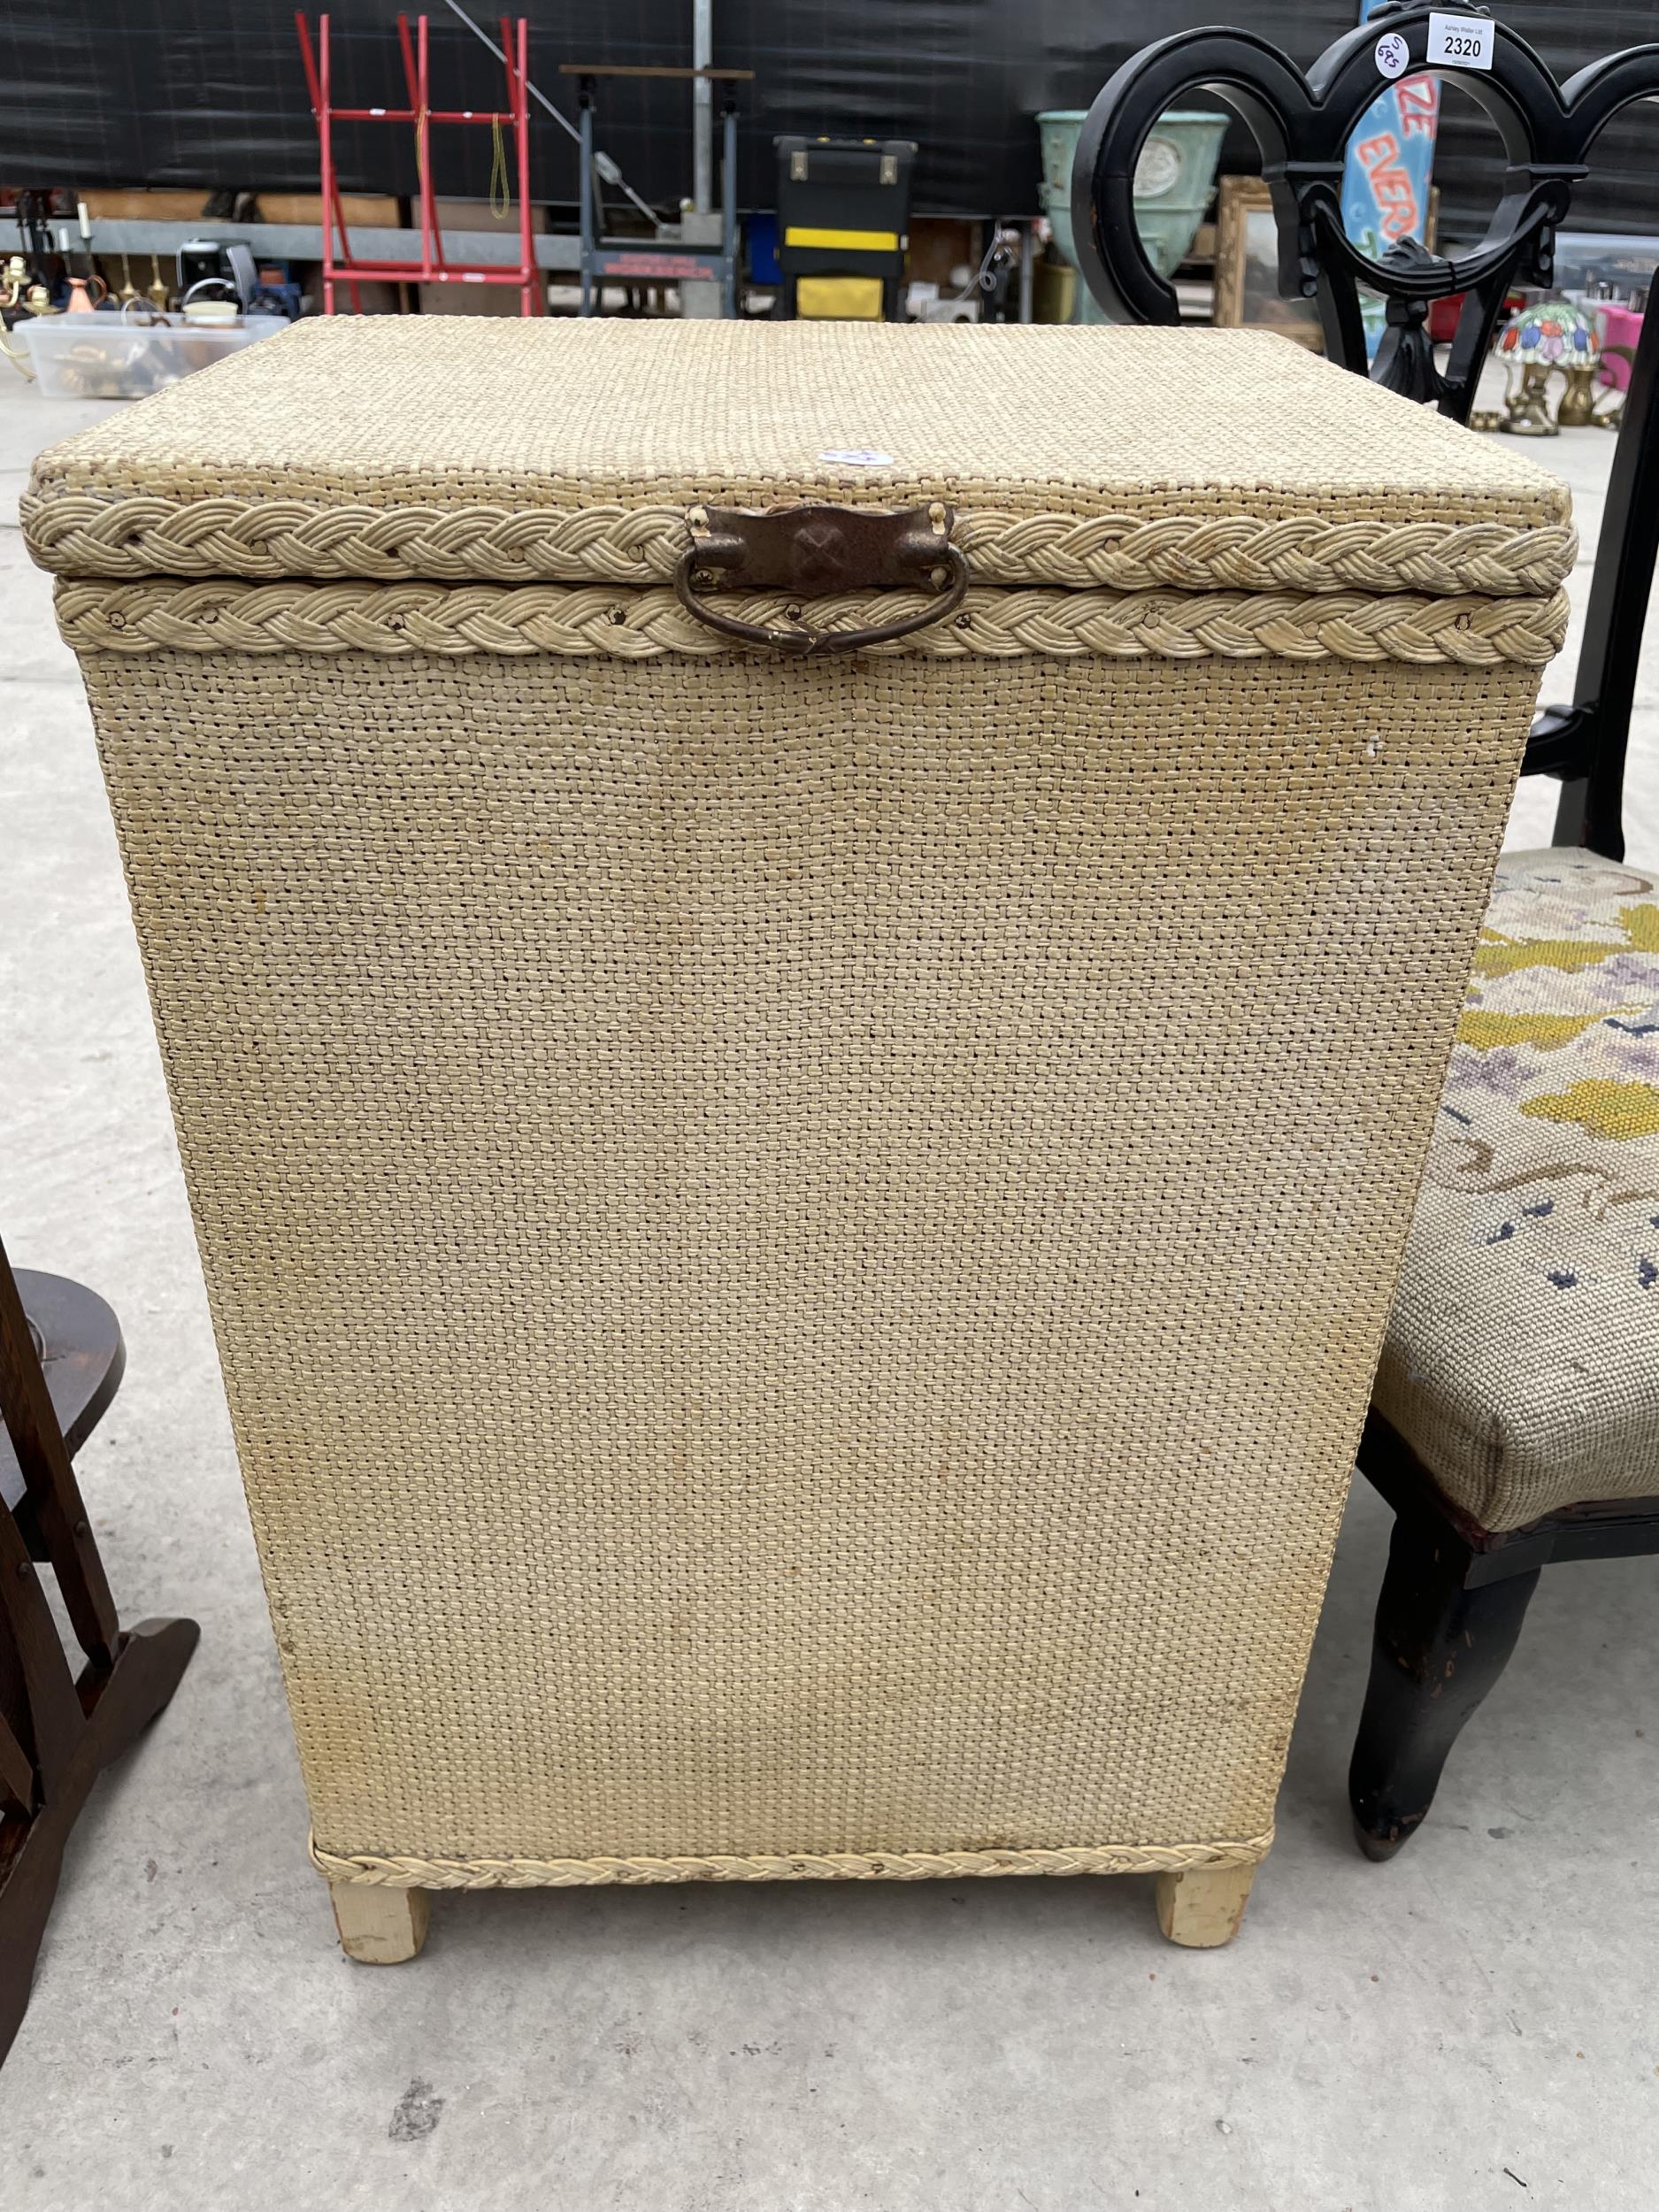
(405, 619)
(89, 533)
(848, 1866)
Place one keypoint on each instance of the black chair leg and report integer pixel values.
(1438, 1649)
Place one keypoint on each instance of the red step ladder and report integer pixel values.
(431, 268)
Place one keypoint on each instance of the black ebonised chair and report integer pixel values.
(1515, 1418)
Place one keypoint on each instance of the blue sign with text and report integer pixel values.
(1390, 161)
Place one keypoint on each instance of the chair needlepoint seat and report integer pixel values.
(1521, 1360)
(1515, 1419)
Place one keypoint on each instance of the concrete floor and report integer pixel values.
(1473, 2027)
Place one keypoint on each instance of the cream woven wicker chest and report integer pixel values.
(798, 1237)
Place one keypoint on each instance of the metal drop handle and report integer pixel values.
(815, 549)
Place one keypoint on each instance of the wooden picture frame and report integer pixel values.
(1246, 264)
(1247, 267)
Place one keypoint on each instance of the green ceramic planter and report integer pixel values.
(1173, 180)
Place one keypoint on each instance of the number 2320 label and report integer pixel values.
(1462, 41)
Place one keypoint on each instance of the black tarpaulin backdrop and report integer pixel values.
(174, 92)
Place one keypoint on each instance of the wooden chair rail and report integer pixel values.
(58, 1727)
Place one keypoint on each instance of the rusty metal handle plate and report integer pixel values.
(811, 550)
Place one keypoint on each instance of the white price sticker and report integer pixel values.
(1462, 41)
(858, 457)
(1393, 55)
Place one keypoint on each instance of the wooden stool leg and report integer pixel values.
(380, 1927)
(1201, 1907)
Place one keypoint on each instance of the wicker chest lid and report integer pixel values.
(563, 451)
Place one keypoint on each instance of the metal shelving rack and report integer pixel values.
(433, 267)
(678, 260)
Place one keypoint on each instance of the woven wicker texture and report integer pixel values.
(838, 1866)
(799, 1248)
(1522, 1363)
(405, 619)
(91, 533)
(540, 451)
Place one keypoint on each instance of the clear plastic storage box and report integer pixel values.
(107, 357)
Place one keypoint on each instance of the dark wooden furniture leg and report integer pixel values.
(1451, 1609)
(59, 1729)
(1439, 1647)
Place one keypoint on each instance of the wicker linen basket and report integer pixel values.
(798, 1239)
